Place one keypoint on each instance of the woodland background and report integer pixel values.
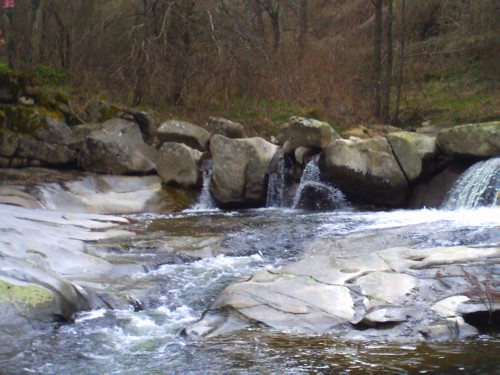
(349, 62)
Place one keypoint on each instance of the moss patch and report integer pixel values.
(24, 295)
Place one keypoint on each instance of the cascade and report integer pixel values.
(312, 193)
(276, 186)
(477, 186)
(205, 200)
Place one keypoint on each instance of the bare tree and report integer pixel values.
(377, 59)
(401, 62)
(387, 81)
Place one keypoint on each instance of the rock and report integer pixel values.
(99, 111)
(239, 170)
(345, 286)
(432, 193)
(317, 196)
(8, 142)
(35, 136)
(471, 140)
(414, 152)
(12, 86)
(48, 153)
(75, 191)
(305, 132)
(284, 302)
(304, 154)
(386, 287)
(31, 293)
(366, 171)
(227, 128)
(179, 164)
(449, 329)
(116, 147)
(184, 132)
(43, 263)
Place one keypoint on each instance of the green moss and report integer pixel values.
(25, 295)
(28, 120)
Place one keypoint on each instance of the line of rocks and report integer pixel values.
(402, 169)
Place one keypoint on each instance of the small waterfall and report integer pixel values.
(312, 193)
(205, 200)
(477, 186)
(276, 186)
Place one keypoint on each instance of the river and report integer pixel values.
(189, 257)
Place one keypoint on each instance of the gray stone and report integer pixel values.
(239, 170)
(49, 153)
(116, 147)
(179, 164)
(184, 132)
(8, 142)
(306, 132)
(225, 127)
(365, 171)
(304, 154)
(471, 140)
(413, 151)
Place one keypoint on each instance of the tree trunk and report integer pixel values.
(387, 83)
(401, 62)
(274, 13)
(11, 50)
(36, 30)
(303, 17)
(377, 58)
(261, 29)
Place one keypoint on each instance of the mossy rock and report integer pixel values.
(38, 122)
(24, 295)
(99, 111)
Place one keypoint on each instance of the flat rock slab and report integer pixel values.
(409, 292)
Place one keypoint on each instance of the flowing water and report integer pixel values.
(174, 293)
(478, 186)
(187, 258)
(205, 200)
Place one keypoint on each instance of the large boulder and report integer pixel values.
(306, 132)
(416, 153)
(35, 136)
(225, 127)
(184, 132)
(116, 147)
(366, 171)
(239, 170)
(30, 294)
(179, 164)
(472, 141)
